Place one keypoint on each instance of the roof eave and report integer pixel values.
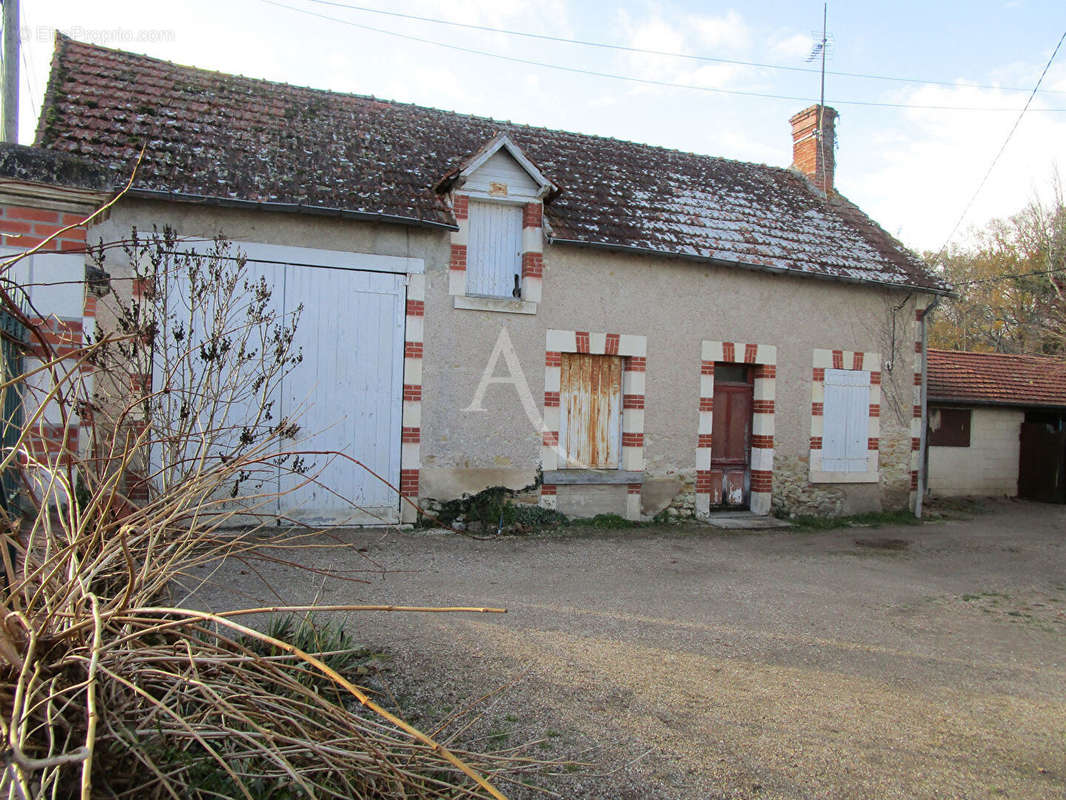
(985, 402)
(647, 251)
(290, 208)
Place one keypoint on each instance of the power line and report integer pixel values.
(1009, 276)
(628, 78)
(669, 54)
(1002, 148)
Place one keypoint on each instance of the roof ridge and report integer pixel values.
(64, 40)
(998, 355)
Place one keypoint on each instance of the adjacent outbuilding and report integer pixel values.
(997, 425)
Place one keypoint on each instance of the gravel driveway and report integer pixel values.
(684, 663)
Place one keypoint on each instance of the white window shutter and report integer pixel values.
(494, 249)
(846, 420)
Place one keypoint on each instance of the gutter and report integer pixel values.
(288, 208)
(647, 251)
(923, 445)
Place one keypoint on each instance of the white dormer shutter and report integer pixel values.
(846, 420)
(494, 249)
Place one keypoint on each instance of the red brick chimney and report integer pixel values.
(813, 152)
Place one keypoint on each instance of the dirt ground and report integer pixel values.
(685, 663)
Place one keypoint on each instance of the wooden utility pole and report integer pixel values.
(11, 70)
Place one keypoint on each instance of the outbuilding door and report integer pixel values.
(346, 394)
(731, 436)
(1042, 463)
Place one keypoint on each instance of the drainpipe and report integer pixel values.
(923, 456)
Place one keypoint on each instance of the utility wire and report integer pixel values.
(643, 51)
(1003, 147)
(627, 78)
(1008, 276)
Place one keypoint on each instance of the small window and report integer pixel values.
(732, 373)
(494, 250)
(949, 427)
(846, 420)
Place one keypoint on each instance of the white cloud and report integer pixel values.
(791, 47)
(920, 179)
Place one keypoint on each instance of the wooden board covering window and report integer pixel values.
(949, 427)
(590, 429)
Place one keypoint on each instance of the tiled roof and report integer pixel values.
(997, 378)
(232, 138)
(34, 165)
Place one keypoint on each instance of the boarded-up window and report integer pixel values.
(949, 427)
(846, 420)
(494, 249)
(590, 427)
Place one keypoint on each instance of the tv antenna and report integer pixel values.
(820, 51)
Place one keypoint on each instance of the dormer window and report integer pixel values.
(494, 250)
(496, 261)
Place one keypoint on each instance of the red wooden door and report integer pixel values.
(731, 440)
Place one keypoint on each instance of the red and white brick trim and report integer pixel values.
(847, 360)
(764, 356)
(411, 433)
(916, 413)
(634, 350)
(532, 259)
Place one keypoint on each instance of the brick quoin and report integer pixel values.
(412, 392)
(819, 374)
(582, 338)
(532, 265)
(875, 378)
(762, 480)
(634, 488)
(856, 361)
(531, 214)
(918, 314)
(550, 439)
(706, 404)
(411, 435)
(762, 407)
(916, 443)
(875, 410)
(461, 206)
(551, 399)
(764, 441)
(416, 308)
(633, 401)
(914, 480)
(765, 371)
(917, 412)
(816, 409)
(729, 351)
(816, 443)
(705, 440)
(412, 350)
(703, 480)
(632, 440)
(706, 368)
(873, 443)
(409, 482)
(458, 260)
(635, 364)
(917, 379)
(918, 346)
(611, 345)
(838, 359)
(548, 489)
(750, 351)
(553, 359)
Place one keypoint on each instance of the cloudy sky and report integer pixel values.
(911, 153)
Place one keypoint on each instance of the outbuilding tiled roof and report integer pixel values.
(231, 138)
(996, 379)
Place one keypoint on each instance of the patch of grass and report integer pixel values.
(872, 519)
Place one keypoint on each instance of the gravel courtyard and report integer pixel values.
(686, 663)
